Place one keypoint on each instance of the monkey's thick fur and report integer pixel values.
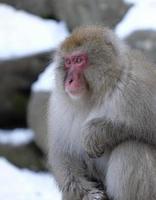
(104, 140)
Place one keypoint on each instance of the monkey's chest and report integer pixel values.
(75, 137)
(69, 133)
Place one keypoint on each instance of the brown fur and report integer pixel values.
(82, 35)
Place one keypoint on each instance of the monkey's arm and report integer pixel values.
(100, 134)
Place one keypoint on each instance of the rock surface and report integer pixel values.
(144, 41)
(38, 7)
(16, 77)
(75, 12)
(24, 156)
(81, 12)
(37, 117)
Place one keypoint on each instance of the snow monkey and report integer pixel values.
(102, 119)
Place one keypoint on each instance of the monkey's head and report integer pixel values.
(88, 62)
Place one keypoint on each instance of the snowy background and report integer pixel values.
(24, 184)
(16, 40)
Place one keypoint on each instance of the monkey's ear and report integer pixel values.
(111, 40)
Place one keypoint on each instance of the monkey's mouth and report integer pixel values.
(76, 91)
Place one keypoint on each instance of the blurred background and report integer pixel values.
(30, 31)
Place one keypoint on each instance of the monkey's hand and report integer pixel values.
(94, 138)
(96, 195)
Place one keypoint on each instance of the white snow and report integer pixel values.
(24, 34)
(46, 80)
(23, 184)
(16, 137)
(141, 16)
(138, 1)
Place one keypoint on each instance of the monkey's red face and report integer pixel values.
(86, 61)
(75, 64)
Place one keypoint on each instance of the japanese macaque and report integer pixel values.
(102, 119)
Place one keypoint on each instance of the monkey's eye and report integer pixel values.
(67, 62)
(79, 59)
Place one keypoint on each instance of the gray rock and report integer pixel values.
(38, 7)
(37, 117)
(144, 41)
(24, 156)
(16, 77)
(81, 12)
(75, 12)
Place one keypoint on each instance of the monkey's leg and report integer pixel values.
(72, 176)
(131, 173)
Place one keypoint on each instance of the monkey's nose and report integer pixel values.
(73, 84)
(70, 81)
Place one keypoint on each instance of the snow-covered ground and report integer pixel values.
(23, 184)
(25, 34)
